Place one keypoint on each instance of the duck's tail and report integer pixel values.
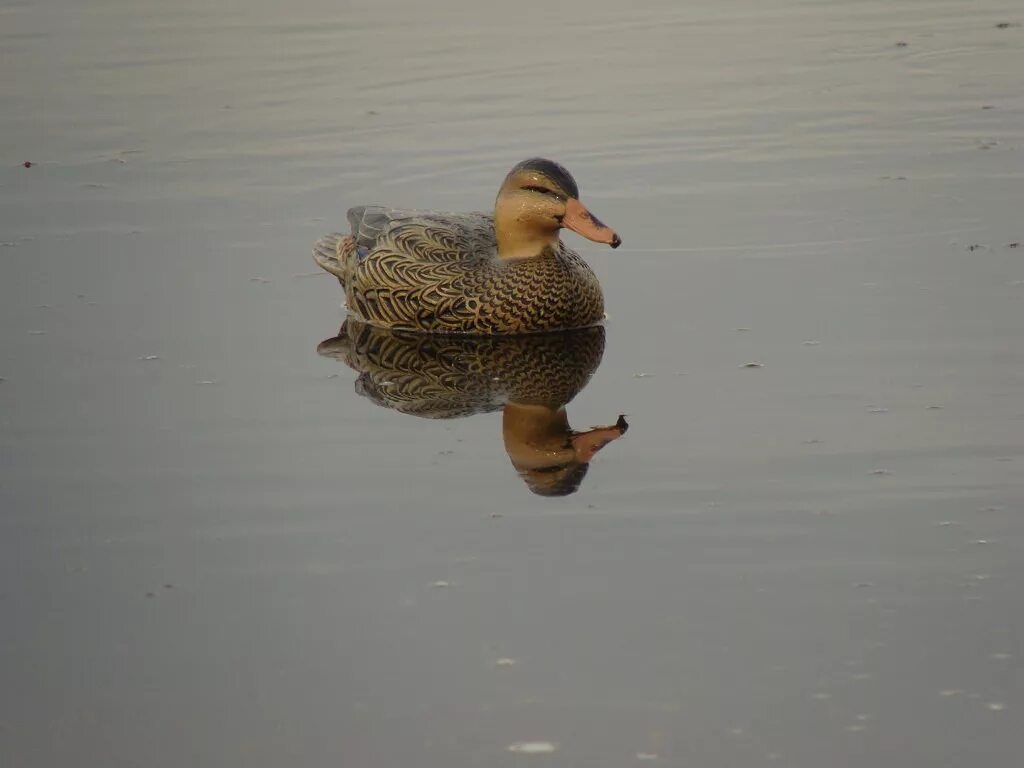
(333, 254)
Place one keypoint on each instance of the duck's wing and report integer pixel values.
(425, 271)
(422, 235)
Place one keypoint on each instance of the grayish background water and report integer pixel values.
(817, 562)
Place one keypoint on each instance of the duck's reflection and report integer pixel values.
(529, 378)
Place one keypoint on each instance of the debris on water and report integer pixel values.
(332, 375)
(149, 357)
(946, 523)
(902, 43)
(973, 247)
(742, 330)
(981, 576)
(996, 706)
(811, 343)
(441, 584)
(643, 375)
(262, 280)
(982, 541)
(647, 756)
(1007, 24)
(880, 472)
(877, 409)
(752, 365)
(987, 106)
(1014, 244)
(813, 441)
(533, 747)
(505, 662)
(28, 164)
(950, 692)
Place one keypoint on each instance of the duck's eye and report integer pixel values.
(543, 191)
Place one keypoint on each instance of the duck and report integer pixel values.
(474, 273)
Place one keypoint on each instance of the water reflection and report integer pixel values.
(529, 378)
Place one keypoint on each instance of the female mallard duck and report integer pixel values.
(472, 272)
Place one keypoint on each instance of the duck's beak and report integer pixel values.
(580, 220)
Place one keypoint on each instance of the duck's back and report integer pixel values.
(440, 273)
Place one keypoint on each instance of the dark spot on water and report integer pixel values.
(28, 164)
(1007, 24)
(973, 247)
(902, 44)
(1013, 245)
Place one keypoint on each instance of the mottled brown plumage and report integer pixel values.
(473, 273)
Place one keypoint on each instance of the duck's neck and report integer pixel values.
(520, 238)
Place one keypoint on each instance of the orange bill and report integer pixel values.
(580, 220)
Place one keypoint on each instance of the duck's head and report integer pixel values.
(537, 199)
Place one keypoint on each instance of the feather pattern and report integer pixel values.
(440, 273)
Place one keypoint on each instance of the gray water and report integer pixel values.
(215, 552)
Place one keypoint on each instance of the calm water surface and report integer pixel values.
(218, 549)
